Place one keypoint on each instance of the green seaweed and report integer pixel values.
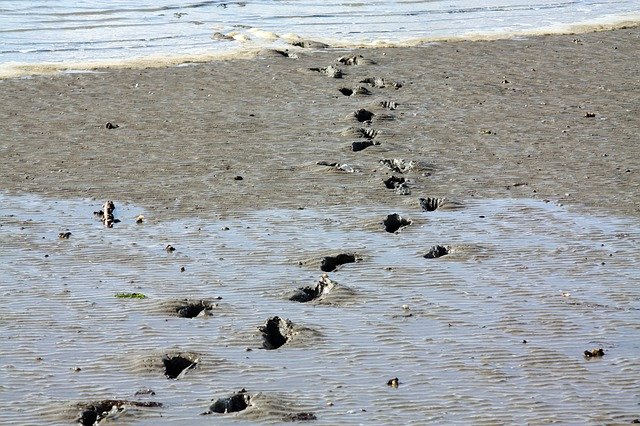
(130, 296)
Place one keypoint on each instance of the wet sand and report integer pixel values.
(532, 142)
(185, 133)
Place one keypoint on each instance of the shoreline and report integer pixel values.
(489, 119)
(247, 48)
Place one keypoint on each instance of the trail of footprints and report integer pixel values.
(277, 332)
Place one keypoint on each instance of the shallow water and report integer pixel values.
(519, 270)
(36, 32)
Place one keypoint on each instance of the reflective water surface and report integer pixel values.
(493, 332)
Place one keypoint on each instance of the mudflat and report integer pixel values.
(445, 234)
(548, 117)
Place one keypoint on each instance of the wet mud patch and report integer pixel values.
(362, 145)
(356, 91)
(395, 223)
(437, 251)
(93, 413)
(399, 184)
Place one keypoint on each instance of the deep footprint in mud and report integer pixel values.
(431, 204)
(307, 294)
(331, 263)
(398, 165)
(360, 132)
(381, 83)
(176, 366)
(330, 71)
(93, 413)
(358, 90)
(193, 309)
(388, 105)
(235, 403)
(354, 60)
(437, 251)
(399, 184)
(394, 223)
(362, 145)
(363, 116)
(275, 332)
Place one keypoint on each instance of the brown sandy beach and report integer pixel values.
(486, 116)
(246, 166)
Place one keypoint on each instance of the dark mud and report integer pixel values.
(276, 332)
(239, 401)
(362, 145)
(308, 294)
(93, 413)
(394, 223)
(176, 366)
(331, 263)
(437, 251)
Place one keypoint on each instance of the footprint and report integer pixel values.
(358, 90)
(331, 71)
(275, 332)
(354, 60)
(176, 366)
(307, 294)
(431, 204)
(94, 412)
(394, 223)
(331, 263)
(192, 309)
(437, 251)
(361, 145)
(398, 165)
(363, 116)
(239, 401)
(286, 54)
(381, 83)
(360, 132)
(389, 105)
(310, 44)
(399, 184)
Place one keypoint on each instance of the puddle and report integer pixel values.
(451, 330)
